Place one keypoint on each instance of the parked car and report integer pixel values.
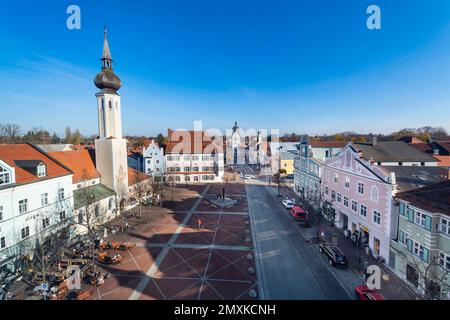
(335, 256)
(300, 215)
(288, 204)
(364, 293)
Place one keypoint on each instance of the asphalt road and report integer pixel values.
(289, 269)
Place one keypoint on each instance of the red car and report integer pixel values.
(364, 293)
(299, 215)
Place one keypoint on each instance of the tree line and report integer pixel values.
(12, 133)
(425, 134)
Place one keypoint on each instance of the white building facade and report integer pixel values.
(154, 161)
(35, 196)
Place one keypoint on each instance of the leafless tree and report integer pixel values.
(141, 189)
(11, 131)
(433, 279)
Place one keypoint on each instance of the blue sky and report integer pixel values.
(309, 66)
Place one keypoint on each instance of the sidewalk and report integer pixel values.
(392, 287)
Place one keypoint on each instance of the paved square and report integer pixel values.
(173, 259)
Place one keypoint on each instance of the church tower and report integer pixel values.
(110, 147)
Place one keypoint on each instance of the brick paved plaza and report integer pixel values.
(173, 259)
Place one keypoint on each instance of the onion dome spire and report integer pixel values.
(107, 80)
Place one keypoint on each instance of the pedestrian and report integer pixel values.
(200, 224)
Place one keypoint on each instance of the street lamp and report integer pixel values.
(279, 169)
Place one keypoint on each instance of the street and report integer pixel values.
(289, 268)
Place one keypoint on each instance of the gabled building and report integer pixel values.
(193, 156)
(236, 147)
(154, 164)
(420, 249)
(35, 197)
(89, 193)
(361, 181)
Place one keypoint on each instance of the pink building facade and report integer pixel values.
(361, 195)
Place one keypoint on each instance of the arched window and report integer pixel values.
(5, 176)
(110, 203)
(374, 194)
(102, 120)
(110, 105)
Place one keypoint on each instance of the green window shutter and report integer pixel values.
(426, 254)
(402, 209)
(401, 236)
(410, 215)
(428, 223)
(409, 244)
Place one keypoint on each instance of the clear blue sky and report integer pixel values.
(303, 65)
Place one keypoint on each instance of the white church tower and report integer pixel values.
(110, 147)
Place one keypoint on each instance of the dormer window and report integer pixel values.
(436, 152)
(5, 176)
(41, 170)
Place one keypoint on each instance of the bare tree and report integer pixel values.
(433, 279)
(141, 189)
(11, 131)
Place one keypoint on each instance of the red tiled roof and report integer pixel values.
(191, 142)
(444, 161)
(327, 144)
(9, 153)
(80, 162)
(434, 198)
(421, 146)
(135, 176)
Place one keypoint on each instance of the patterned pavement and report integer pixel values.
(173, 259)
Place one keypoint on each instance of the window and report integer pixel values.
(347, 182)
(423, 220)
(44, 199)
(41, 172)
(363, 211)
(195, 169)
(23, 206)
(97, 210)
(186, 169)
(354, 206)
(419, 250)
(2, 242)
(374, 194)
(61, 194)
(444, 260)
(401, 208)
(45, 223)
(402, 236)
(339, 197)
(110, 203)
(326, 188)
(336, 178)
(444, 226)
(186, 158)
(5, 176)
(345, 201)
(25, 232)
(360, 188)
(177, 178)
(376, 217)
(333, 194)
(62, 215)
(1, 213)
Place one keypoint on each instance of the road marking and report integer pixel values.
(154, 267)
